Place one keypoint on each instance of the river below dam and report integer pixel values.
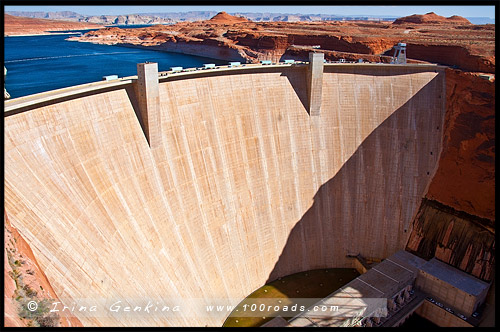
(47, 62)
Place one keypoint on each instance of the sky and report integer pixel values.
(465, 11)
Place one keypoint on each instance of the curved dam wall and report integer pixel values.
(245, 186)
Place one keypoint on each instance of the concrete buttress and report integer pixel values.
(315, 82)
(148, 97)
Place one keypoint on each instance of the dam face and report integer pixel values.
(244, 187)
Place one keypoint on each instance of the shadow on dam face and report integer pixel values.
(297, 79)
(245, 187)
(378, 183)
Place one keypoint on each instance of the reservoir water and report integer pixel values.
(47, 62)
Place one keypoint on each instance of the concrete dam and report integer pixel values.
(208, 184)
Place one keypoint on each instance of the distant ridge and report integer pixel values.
(173, 17)
(14, 25)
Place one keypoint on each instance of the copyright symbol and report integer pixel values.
(32, 305)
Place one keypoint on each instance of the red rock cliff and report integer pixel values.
(465, 179)
(25, 281)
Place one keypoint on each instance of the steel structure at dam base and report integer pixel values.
(434, 290)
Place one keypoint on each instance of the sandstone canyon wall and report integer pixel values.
(456, 221)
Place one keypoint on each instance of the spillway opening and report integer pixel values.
(278, 297)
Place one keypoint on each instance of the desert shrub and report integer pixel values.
(51, 320)
(41, 316)
(41, 309)
(30, 292)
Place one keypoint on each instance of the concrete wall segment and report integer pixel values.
(245, 187)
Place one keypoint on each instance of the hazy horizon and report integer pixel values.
(392, 11)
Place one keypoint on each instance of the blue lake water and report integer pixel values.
(43, 63)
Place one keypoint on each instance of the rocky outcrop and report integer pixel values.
(14, 25)
(452, 55)
(432, 18)
(468, 47)
(225, 18)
